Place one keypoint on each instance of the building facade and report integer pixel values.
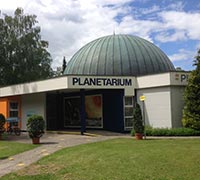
(100, 86)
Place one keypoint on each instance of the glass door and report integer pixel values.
(72, 112)
(94, 111)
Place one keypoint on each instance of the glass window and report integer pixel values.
(128, 100)
(14, 109)
(128, 111)
(128, 122)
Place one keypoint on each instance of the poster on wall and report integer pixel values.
(72, 111)
(93, 109)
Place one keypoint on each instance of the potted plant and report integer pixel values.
(2, 123)
(138, 125)
(35, 128)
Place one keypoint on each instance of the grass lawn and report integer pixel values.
(8, 148)
(120, 159)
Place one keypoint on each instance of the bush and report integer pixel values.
(2, 123)
(35, 126)
(137, 120)
(170, 132)
(132, 132)
(191, 120)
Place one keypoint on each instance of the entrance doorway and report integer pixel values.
(93, 111)
(72, 112)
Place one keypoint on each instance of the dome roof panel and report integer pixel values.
(119, 55)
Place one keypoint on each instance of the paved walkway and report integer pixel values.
(52, 142)
(49, 143)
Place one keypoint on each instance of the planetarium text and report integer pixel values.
(89, 81)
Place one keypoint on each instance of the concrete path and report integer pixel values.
(49, 144)
(52, 142)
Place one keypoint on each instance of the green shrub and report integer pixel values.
(137, 120)
(35, 126)
(191, 120)
(132, 132)
(2, 123)
(170, 132)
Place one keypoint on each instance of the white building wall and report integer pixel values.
(33, 104)
(53, 84)
(177, 105)
(157, 106)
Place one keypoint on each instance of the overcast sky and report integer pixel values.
(67, 25)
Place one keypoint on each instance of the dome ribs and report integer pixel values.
(127, 53)
(109, 57)
(119, 55)
(147, 56)
(101, 61)
(77, 65)
(89, 66)
(133, 58)
(117, 60)
(139, 56)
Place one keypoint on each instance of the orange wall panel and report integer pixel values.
(4, 106)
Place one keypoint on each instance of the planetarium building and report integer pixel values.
(100, 85)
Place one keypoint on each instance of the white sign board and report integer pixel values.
(179, 78)
(102, 82)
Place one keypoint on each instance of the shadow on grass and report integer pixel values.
(2, 158)
(47, 143)
(154, 138)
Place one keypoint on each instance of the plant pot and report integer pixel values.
(138, 136)
(36, 140)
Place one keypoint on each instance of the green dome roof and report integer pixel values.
(120, 55)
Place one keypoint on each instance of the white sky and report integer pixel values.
(69, 24)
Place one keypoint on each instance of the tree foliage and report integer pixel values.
(191, 112)
(23, 54)
(64, 65)
(138, 125)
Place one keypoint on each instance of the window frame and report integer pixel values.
(13, 109)
(126, 105)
